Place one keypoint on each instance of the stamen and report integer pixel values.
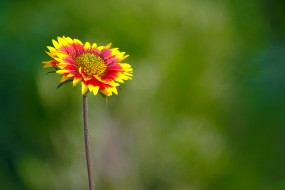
(91, 64)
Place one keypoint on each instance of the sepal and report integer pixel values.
(60, 84)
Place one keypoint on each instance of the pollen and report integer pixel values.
(91, 64)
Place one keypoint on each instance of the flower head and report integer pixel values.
(98, 68)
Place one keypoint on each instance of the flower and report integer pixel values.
(98, 68)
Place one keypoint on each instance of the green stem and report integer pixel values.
(87, 143)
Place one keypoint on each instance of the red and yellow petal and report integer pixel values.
(76, 80)
(64, 78)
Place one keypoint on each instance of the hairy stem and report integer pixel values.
(87, 143)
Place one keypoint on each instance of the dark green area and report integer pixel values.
(205, 109)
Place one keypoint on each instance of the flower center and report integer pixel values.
(91, 64)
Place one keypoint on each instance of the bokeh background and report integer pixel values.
(204, 111)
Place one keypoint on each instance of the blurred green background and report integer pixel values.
(205, 109)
